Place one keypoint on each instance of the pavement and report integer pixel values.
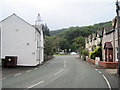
(61, 72)
(10, 71)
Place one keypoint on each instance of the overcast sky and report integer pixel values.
(60, 13)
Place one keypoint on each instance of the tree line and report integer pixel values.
(68, 39)
(73, 38)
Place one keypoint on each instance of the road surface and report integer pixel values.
(65, 71)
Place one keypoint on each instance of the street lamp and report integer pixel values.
(117, 10)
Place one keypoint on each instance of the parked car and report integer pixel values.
(61, 53)
(73, 53)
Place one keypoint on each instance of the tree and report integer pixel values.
(48, 46)
(64, 44)
(45, 30)
(73, 37)
(79, 42)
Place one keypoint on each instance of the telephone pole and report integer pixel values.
(117, 10)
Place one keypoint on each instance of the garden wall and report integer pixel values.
(104, 64)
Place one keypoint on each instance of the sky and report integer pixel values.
(60, 14)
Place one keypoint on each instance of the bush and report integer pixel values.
(84, 58)
(85, 52)
(96, 53)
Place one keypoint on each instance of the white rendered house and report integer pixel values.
(19, 38)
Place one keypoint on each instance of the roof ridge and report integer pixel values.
(18, 17)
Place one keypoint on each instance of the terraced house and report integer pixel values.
(109, 38)
(93, 40)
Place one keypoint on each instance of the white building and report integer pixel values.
(19, 38)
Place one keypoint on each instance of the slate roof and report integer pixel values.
(100, 33)
(94, 35)
(90, 37)
(108, 29)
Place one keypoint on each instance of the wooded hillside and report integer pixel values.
(68, 38)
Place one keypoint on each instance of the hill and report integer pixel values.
(56, 32)
(89, 29)
(73, 38)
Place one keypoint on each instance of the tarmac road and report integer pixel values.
(65, 71)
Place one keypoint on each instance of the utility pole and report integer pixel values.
(117, 10)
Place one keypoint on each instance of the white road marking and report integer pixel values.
(54, 78)
(17, 74)
(107, 82)
(3, 78)
(58, 72)
(36, 84)
(100, 72)
(35, 68)
(96, 69)
(105, 79)
(28, 71)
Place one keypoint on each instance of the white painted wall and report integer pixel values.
(0, 42)
(41, 48)
(18, 39)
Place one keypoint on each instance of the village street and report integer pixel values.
(65, 71)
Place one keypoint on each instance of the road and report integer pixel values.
(65, 71)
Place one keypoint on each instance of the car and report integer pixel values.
(61, 53)
(73, 53)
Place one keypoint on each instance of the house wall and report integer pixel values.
(93, 42)
(96, 42)
(0, 41)
(116, 44)
(103, 42)
(37, 46)
(18, 39)
(86, 44)
(41, 45)
(90, 45)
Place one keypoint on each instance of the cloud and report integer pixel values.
(60, 13)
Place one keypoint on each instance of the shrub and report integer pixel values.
(85, 52)
(96, 53)
(93, 47)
